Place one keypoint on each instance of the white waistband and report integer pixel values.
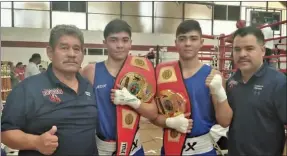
(198, 145)
(108, 148)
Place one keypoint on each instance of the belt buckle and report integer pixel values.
(137, 85)
(171, 104)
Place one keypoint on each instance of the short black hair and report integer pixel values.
(59, 30)
(250, 30)
(116, 26)
(187, 26)
(34, 57)
(19, 64)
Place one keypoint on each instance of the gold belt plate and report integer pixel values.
(170, 103)
(137, 85)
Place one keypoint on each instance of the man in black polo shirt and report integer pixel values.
(53, 113)
(257, 95)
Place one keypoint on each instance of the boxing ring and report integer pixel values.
(277, 58)
(219, 55)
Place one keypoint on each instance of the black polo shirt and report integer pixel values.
(41, 101)
(259, 113)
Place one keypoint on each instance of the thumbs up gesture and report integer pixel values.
(47, 143)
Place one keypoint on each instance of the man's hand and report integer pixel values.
(180, 123)
(214, 82)
(47, 143)
(123, 97)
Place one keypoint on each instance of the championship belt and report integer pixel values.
(137, 75)
(172, 100)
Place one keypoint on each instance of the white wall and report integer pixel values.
(91, 37)
(96, 37)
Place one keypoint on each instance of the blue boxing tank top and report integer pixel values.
(203, 113)
(103, 83)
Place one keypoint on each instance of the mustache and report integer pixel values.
(243, 60)
(70, 61)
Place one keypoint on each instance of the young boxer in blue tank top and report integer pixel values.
(209, 104)
(102, 75)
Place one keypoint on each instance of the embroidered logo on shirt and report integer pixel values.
(53, 94)
(87, 93)
(257, 89)
(54, 91)
(54, 98)
(232, 84)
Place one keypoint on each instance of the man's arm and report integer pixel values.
(223, 111)
(13, 120)
(279, 99)
(89, 72)
(148, 110)
(124, 97)
(17, 139)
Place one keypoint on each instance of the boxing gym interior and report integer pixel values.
(25, 28)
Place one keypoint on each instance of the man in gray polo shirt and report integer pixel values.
(257, 95)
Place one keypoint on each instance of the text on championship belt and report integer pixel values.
(167, 74)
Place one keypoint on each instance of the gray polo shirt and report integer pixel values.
(259, 113)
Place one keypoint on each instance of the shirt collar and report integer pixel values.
(260, 72)
(82, 82)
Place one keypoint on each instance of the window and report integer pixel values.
(220, 12)
(229, 27)
(6, 4)
(22, 18)
(105, 52)
(137, 8)
(73, 6)
(6, 17)
(166, 25)
(198, 11)
(77, 19)
(95, 51)
(98, 22)
(32, 5)
(77, 6)
(233, 13)
(104, 7)
(60, 6)
(260, 17)
(168, 9)
(139, 24)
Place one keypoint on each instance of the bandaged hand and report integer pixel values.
(179, 123)
(214, 82)
(124, 97)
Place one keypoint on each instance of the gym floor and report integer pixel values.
(151, 137)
